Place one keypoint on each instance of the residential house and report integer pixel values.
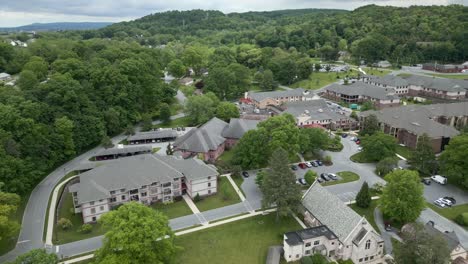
(210, 140)
(437, 87)
(187, 81)
(5, 77)
(145, 179)
(119, 152)
(384, 64)
(317, 112)
(335, 231)
(275, 98)
(408, 123)
(152, 137)
(360, 92)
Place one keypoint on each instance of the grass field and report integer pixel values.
(178, 122)
(227, 155)
(368, 213)
(403, 151)
(173, 210)
(376, 72)
(450, 76)
(450, 213)
(317, 80)
(360, 158)
(219, 199)
(243, 241)
(155, 150)
(346, 176)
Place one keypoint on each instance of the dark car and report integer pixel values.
(245, 174)
(324, 176)
(302, 166)
(426, 181)
(319, 180)
(332, 176)
(293, 167)
(358, 142)
(313, 163)
(319, 162)
(451, 199)
(344, 135)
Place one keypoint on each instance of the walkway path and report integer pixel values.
(386, 235)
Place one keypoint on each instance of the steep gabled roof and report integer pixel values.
(238, 127)
(451, 238)
(203, 139)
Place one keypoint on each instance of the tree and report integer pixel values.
(250, 151)
(36, 256)
(354, 115)
(65, 223)
(146, 122)
(310, 177)
(226, 111)
(386, 165)
(378, 146)
(165, 113)
(313, 139)
(363, 198)
(423, 157)
(370, 125)
(136, 234)
(64, 129)
(421, 247)
(38, 66)
(259, 179)
(106, 142)
(199, 109)
(317, 67)
(402, 198)
(176, 68)
(267, 81)
(279, 185)
(453, 160)
(27, 80)
(169, 149)
(8, 204)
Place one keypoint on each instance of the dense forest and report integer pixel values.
(76, 87)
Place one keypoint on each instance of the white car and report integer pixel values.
(439, 179)
(308, 164)
(440, 202)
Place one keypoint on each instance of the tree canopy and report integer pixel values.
(378, 146)
(453, 160)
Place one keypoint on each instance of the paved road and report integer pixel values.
(32, 227)
(444, 224)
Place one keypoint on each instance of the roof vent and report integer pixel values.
(320, 110)
(415, 123)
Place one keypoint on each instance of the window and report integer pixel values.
(176, 179)
(307, 252)
(93, 219)
(123, 197)
(368, 242)
(167, 184)
(307, 244)
(333, 243)
(93, 210)
(360, 260)
(372, 257)
(113, 200)
(101, 208)
(209, 184)
(317, 242)
(144, 186)
(154, 183)
(122, 190)
(297, 255)
(100, 201)
(91, 203)
(143, 194)
(209, 177)
(112, 192)
(381, 245)
(366, 258)
(209, 191)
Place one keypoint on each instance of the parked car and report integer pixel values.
(245, 174)
(440, 202)
(302, 181)
(319, 162)
(388, 227)
(439, 179)
(293, 167)
(324, 176)
(358, 142)
(308, 164)
(451, 199)
(320, 180)
(344, 135)
(352, 138)
(332, 176)
(426, 181)
(302, 165)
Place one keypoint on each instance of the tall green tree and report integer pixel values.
(279, 185)
(8, 205)
(64, 129)
(420, 247)
(402, 198)
(226, 111)
(386, 165)
(313, 139)
(267, 81)
(176, 68)
(370, 125)
(36, 256)
(136, 234)
(453, 161)
(27, 80)
(423, 157)
(199, 109)
(378, 146)
(363, 198)
(164, 113)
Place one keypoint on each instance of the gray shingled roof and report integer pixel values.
(238, 127)
(451, 237)
(159, 134)
(364, 89)
(418, 119)
(205, 138)
(134, 172)
(330, 211)
(275, 94)
(390, 80)
(297, 237)
(441, 84)
(116, 151)
(317, 109)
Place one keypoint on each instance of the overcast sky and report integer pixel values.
(21, 12)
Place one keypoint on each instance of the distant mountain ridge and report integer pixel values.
(57, 26)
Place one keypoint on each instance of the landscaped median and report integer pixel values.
(225, 196)
(345, 176)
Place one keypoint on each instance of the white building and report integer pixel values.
(336, 231)
(145, 178)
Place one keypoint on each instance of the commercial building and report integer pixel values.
(146, 179)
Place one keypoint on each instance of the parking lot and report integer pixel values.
(435, 191)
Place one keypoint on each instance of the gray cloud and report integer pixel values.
(17, 12)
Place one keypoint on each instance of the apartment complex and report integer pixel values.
(443, 88)
(275, 98)
(335, 231)
(407, 123)
(145, 178)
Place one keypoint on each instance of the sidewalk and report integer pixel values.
(195, 210)
(386, 235)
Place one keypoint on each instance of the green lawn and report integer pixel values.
(227, 156)
(450, 213)
(317, 80)
(450, 76)
(368, 213)
(360, 158)
(155, 150)
(376, 72)
(220, 199)
(403, 151)
(238, 180)
(346, 176)
(178, 122)
(173, 210)
(65, 236)
(243, 241)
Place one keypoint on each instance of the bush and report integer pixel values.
(319, 259)
(236, 171)
(197, 198)
(327, 160)
(462, 219)
(86, 228)
(310, 176)
(306, 260)
(65, 223)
